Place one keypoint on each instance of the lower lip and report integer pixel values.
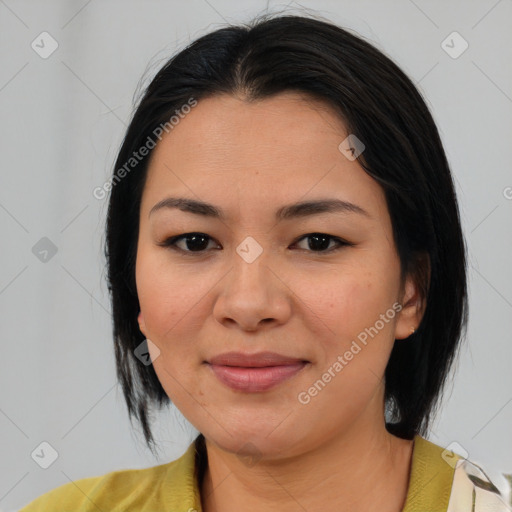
(254, 380)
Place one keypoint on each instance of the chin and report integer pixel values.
(255, 441)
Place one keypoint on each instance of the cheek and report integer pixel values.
(167, 294)
(349, 302)
(356, 346)
(157, 299)
(168, 301)
(350, 308)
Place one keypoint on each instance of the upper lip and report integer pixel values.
(257, 360)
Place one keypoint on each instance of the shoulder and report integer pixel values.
(444, 479)
(480, 488)
(131, 489)
(109, 490)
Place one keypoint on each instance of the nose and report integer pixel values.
(252, 295)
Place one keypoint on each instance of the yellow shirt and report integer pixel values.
(174, 486)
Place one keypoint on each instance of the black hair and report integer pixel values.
(403, 152)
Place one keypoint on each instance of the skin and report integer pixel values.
(268, 451)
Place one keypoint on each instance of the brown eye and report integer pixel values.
(198, 243)
(319, 242)
(192, 242)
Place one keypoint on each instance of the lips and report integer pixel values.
(258, 360)
(252, 373)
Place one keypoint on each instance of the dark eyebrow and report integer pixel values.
(302, 209)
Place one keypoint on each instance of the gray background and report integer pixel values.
(62, 121)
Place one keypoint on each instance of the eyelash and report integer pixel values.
(171, 243)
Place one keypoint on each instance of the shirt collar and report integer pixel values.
(429, 487)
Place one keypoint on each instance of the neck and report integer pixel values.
(359, 470)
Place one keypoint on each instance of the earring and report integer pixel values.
(413, 330)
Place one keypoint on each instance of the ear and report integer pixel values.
(413, 300)
(142, 324)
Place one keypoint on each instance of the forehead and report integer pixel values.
(284, 121)
(271, 151)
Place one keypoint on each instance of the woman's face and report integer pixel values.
(254, 282)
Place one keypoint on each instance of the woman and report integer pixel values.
(287, 266)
